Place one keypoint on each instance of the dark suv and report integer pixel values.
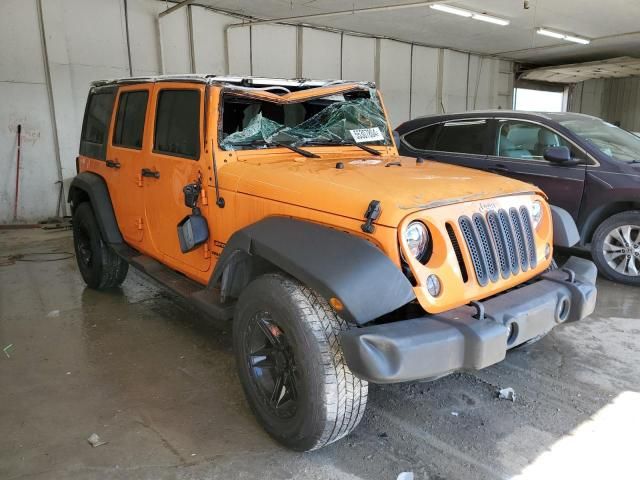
(585, 165)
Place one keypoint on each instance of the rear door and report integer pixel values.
(177, 158)
(125, 151)
(464, 142)
(518, 153)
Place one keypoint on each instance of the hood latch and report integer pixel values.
(373, 212)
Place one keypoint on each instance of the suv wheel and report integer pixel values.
(616, 247)
(99, 265)
(291, 366)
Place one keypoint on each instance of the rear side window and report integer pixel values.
(178, 123)
(423, 138)
(95, 128)
(129, 128)
(465, 136)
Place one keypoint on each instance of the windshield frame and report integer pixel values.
(298, 97)
(567, 120)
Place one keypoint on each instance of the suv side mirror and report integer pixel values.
(561, 155)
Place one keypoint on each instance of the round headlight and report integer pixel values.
(536, 213)
(417, 237)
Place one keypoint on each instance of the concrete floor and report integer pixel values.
(157, 382)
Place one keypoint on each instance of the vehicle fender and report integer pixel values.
(565, 232)
(333, 263)
(89, 185)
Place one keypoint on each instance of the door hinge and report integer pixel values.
(207, 251)
(139, 179)
(139, 223)
(204, 199)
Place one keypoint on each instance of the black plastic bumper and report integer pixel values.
(471, 337)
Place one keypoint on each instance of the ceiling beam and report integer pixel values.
(313, 16)
(177, 6)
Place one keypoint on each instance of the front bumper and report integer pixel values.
(471, 337)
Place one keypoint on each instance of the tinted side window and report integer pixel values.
(423, 138)
(517, 139)
(129, 128)
(178, 123)
(465, 136)
(95, 128)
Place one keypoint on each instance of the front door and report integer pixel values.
(177, 159)
(124, 156)
(519, 153)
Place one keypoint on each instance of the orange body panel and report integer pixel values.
(259, 183)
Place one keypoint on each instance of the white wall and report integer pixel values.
(23, 100)
(86, 40)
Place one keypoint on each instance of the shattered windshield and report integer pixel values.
(345, 118)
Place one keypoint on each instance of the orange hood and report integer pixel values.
(401, 189)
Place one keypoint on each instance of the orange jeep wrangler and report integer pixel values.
(283, 206)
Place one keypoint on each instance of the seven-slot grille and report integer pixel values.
(500, 243)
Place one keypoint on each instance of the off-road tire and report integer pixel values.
(99, 265)
(598, 243)
(331, 399)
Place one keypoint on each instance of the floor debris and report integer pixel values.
(6, 350)
(53, 314)
(94, 440)
(507, 394)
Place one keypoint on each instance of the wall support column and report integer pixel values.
(61, 206)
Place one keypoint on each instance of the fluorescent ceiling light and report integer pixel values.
(488, 18)
(571, 38)
(469, 14)
(562, 36)
(550, 33)
(453, 10)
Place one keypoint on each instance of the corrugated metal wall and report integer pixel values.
(614, 99)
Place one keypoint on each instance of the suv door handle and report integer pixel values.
(113, 164)
(147, 172)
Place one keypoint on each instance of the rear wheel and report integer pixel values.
(99, 265)
(291, 365)
(615, 247)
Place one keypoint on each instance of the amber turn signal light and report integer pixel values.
(336, 304)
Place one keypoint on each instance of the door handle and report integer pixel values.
(147, 172)
(113, 164)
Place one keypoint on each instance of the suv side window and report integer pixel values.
(95, 127)
(464, 136)
(527, 141)
(178, 123)
(129, 128)
(423, 138)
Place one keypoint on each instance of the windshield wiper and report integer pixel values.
(373, 151)
(304, 153)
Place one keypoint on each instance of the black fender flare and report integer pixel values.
(565, 232)
(92, 186)
(332, 262)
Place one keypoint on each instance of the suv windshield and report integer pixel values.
(609, 139)
(345, 118)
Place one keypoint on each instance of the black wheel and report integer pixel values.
(615, 247)
(291, 366)
(99, 265)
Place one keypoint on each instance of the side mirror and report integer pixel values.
(192, 232)
(561, 155)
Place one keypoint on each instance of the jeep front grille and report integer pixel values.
(499, 244)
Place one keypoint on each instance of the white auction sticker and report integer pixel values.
(366, 134)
